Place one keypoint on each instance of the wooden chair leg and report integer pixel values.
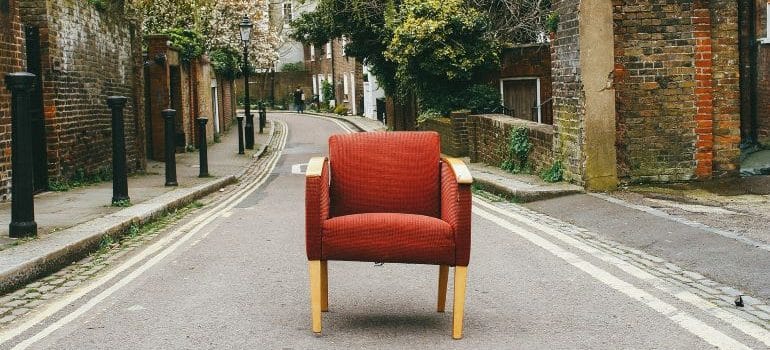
(324, 286)
(315, 294)
(461, 275)
(443, 276)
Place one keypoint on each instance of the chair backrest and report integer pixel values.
(385, 172)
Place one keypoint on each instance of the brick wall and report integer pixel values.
(677, 92)
(726, 87)
(283, 85)
(763, 92)
(453, 132)
(489, 135)
(12, 58)
(87, 55)
(568, 94)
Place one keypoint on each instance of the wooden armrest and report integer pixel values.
(315, 166)
(462, 174)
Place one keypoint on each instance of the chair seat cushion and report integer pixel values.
(388, 237)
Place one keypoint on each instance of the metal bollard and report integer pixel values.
(170, 147)
(119, 176)
(262, 118)
(249, 130)
(203, 148)
(240, 134)
(22, 200)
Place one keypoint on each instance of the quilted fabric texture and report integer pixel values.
(388, 237)
(456, 210)
(316, 211)
(385, 172)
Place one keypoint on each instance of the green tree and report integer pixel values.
(440, 47)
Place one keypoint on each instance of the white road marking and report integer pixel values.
(183, 234)
(743, 325)
(296, 169)
(683, 319)
(339, 123)
(227, 214)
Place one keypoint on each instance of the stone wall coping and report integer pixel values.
(502, 118)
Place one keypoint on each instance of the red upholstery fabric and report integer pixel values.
(316, 211)
(385, 172)
(456, 210)
(388, 237)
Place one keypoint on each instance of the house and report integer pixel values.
(329, 64)
(646, 91)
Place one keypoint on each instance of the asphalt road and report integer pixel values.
(238, 280)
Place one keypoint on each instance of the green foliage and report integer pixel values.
(428, 114)
(519, 147)
(105, 243)
(553, 174)
(123, 203)
(552, 22)
(294, 67)
(100, 5)
(439, 48)
(226, 63)
(482, 98)
(340, 109)
(328, 90)
(189, 42)
(81, 178)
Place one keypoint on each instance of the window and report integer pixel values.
(344, 44)
(312, 52)
(5, 7)
(287, 12)
(315, 85)
(329, 50)
(345, 84)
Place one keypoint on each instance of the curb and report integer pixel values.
(74, 243)
(519, 195)
(261, 151)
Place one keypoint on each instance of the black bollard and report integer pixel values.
(170, 148)
(119, 176)
(249, 131)
(22, 201)
(240, 134)
(262, 119)
(203, 148)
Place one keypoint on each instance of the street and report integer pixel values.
(234, 275)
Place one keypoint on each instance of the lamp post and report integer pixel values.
(245, 27)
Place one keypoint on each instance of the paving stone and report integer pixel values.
(706, 289)
(747, 299)
(46, 288)
(681, 278)
(730, 291)
(32, 295)
(652, 258)
(35, 303)
(672, 267)
(762, 307)
(693, 275)
(709, 283)
(8, 319)
(16, 303)
(58, 281)
(4, 310)
(761, 315)
(6, 298)
(61, 290)
(71, 283)
(20, 311)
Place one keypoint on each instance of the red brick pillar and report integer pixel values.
(704, 120)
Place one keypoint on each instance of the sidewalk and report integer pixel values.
(71, 223)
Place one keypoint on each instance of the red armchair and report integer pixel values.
(388, 197)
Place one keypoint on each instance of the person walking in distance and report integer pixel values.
(299, 100)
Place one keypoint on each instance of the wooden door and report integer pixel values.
(521, 97)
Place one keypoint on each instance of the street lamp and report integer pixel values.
(245, 27)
